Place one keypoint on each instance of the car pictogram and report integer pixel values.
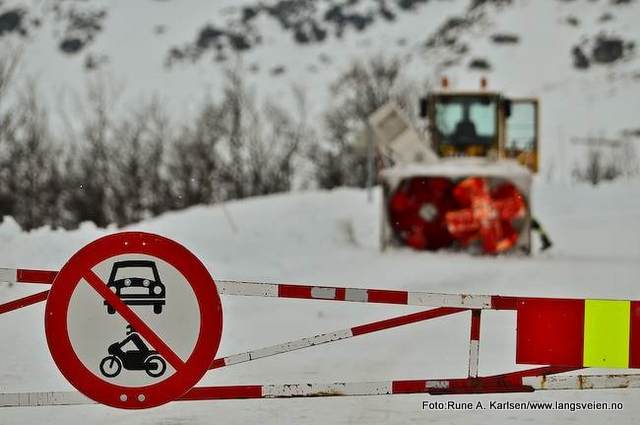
(136, 282)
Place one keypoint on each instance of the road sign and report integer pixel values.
(133, 320)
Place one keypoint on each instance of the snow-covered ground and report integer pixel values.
(330, 238)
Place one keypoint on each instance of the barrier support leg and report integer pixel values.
(474, 343)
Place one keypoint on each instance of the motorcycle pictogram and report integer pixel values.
(138, 358)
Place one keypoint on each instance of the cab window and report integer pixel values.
(466, 120)
(521, 127)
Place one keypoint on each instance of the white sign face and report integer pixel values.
(159, 295)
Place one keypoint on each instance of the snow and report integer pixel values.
(330, 238)
(137, 55)
(598, 102)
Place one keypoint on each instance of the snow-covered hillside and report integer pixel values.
(552, 49)
(330, 238)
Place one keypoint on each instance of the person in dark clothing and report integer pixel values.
(544, 238)
(465, 131)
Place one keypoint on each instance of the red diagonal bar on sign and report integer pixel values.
(137, 323)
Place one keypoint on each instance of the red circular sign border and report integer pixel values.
(57, 333)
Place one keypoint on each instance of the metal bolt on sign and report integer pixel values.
(134, 320)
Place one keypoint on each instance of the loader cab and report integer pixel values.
(482, 124)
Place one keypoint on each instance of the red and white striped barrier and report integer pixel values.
(13, 276)
(290, 290)
(582, 382)
(499, 383)
(539, 378)
(329, 293)
(334, 336)
(474, 344)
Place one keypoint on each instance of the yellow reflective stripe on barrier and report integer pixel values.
(606, 333)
